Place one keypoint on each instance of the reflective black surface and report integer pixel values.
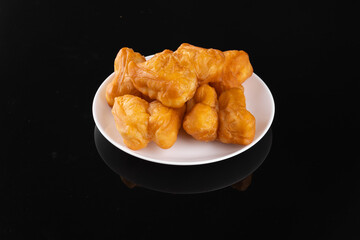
(54, 184)
(183, 179)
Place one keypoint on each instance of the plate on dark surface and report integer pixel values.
(186, 150)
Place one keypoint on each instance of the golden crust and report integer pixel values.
(139, 122)
(201, 120)
(164, 78)
(121, 83)
(226, 70)
(132, 119)
(164, 123)
(192, 75)
(206, 63)
(236, 124)
(238, 69)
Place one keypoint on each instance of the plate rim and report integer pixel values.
(179, 163)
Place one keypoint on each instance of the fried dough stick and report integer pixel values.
(164, 123)
(164, 78)
(236, 124)
(140, 122)
(121, 83)
(201, 119)
(132, 120)
(226, 70)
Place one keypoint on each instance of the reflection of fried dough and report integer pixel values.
(121, 83)
(201, 120)
(164, 78)
(131, 118)
(243, 184)
(236, 124)
(164, 123)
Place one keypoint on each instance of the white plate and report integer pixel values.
(186, 150)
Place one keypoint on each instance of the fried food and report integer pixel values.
(227, 69)
(206, 95)
(164, 78)
(132, 120)
(236, 124)
(206, 63)
(164, 123)
(220, 87)
(150, 98)
(140, 122)
(121, 83)
(237, 68)
(201, 120)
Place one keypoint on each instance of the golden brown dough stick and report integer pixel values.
(228, 69)
(132, 119)
(236, 124)
(206, 95)
(206, 63)
(201, 119)
(140, 122)
(237, 68)
(220, 87)
(164, 123)
(164, 78)
(121, 83)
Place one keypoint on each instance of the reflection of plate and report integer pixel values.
(179, 179)
(186, 150)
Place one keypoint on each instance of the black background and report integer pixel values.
(54, 56)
